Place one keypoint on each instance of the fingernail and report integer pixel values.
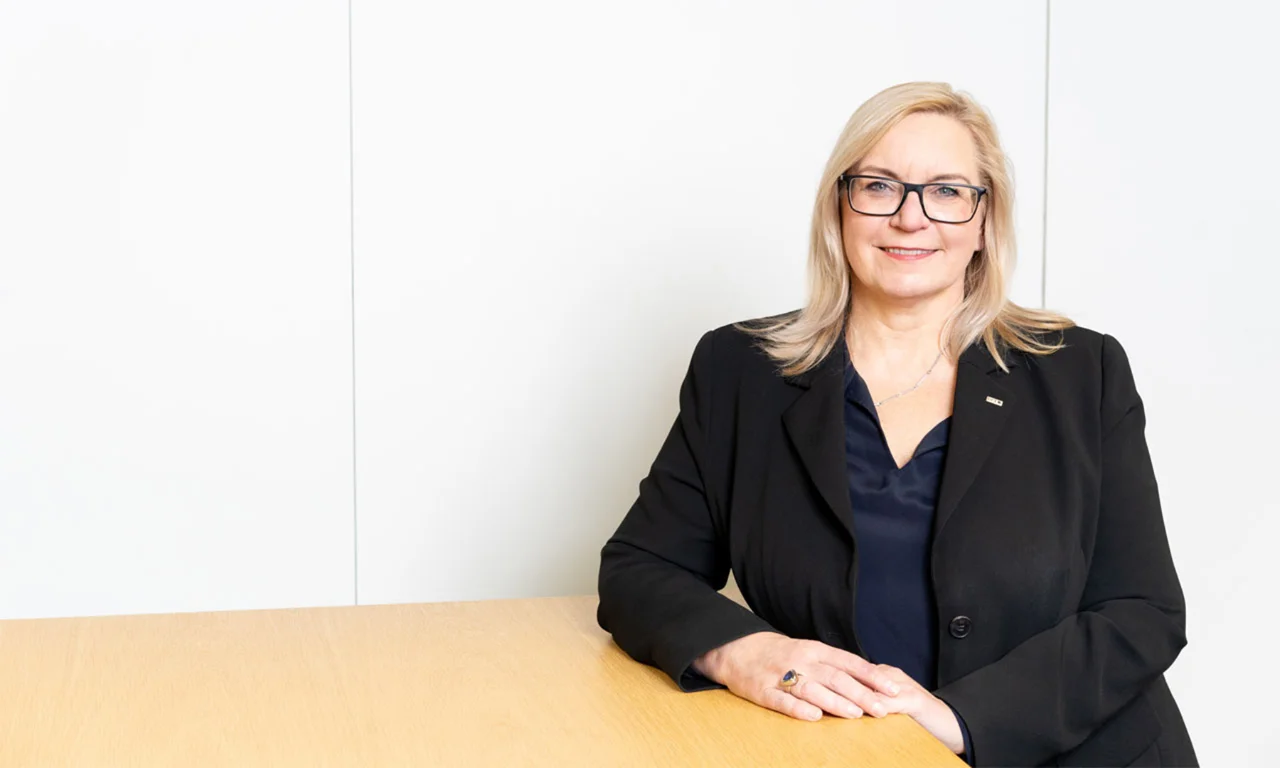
(878, 708)
(853, 711)
(893, 689)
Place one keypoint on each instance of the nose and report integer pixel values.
(910, 216)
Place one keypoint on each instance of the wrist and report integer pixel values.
(954, 734)
(706, 665)
(711, 664)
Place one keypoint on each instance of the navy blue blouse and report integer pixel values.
(893, 510)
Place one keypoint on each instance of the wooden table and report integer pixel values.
(504, 682)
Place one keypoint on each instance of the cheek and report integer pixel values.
(959, 265)
(856, 238)
(965, 241)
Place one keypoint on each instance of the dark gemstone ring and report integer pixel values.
(790, 679)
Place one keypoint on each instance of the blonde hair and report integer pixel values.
(798, 341)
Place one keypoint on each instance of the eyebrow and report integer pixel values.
(878, 171)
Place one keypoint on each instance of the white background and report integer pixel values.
(175, 306)
(321, 303)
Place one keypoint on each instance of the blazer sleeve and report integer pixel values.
(1049, 693)
(661, 572)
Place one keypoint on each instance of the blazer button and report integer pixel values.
(960, 626)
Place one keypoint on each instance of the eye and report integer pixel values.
(947, 191)
(877, 186)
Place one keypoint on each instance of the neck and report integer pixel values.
(894, 334)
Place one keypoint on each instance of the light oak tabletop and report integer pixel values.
(502, 682)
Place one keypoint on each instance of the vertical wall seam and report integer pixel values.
(351, 223)
(1044, 200)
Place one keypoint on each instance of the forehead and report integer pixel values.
(924, 145)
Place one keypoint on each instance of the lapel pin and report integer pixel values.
(994, 401)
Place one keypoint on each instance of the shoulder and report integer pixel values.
(1092, 363)
(734, 347)
(1084, 351)
(731, 358)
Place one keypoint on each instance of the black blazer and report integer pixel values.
(1058, 604)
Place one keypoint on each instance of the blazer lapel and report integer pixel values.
(982, 407)
(815, 425)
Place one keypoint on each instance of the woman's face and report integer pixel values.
(923, 148)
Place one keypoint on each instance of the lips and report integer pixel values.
(909, 254)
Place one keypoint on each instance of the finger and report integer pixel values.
(908, 702)
(819, 695)
(861, 670)
(896, 675)
(904, 681)
(780, 701)
(843, 685)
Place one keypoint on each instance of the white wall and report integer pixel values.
(553, 201)
(175, 320)
(550, 207)
(1163, 169)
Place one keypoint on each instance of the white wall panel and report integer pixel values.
(1161, 231)
(175, 340)
(554, 200)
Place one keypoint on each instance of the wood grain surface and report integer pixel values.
(503, 682)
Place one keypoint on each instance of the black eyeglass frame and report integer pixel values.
(907, 189)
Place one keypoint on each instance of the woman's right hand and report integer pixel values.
(831, 679)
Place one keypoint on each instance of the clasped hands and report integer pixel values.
(832, 680)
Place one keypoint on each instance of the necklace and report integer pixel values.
(917, 384)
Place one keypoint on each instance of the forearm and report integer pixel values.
(664, 615)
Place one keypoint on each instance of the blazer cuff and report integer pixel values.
(725, 622)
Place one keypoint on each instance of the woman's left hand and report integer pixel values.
(925, 708)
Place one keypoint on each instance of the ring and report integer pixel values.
(789, 680)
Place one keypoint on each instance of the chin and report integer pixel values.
(906, 290)
(908, 285)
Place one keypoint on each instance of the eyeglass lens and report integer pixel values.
(942, 202)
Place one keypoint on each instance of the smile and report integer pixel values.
(908, 253)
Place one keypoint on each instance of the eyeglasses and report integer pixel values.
(944, 203)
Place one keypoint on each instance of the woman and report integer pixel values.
(936, 502)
